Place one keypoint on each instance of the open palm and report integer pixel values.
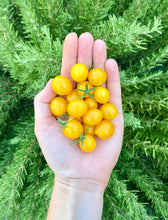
(69, 163)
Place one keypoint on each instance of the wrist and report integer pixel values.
(73, 200)
(80, 185)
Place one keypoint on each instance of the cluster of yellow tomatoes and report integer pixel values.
(84, 111)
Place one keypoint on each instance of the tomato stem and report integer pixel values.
(86, 91)
(82, 138)
(63, 123)
(92, 67)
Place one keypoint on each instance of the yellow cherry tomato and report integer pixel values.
(72, 96)
(79, 72)
(58, 106)
(101, 95)
(82, 86)
(61, 85)
(77, 108)
(80, 119)
(104, 129)
(97, 76)
(89, 143)
(92, 117)
(109, 111)
(73, 129)
(91, 103)
(91, 129)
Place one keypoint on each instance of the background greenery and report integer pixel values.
(31, 39)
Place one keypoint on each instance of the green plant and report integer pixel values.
(31, 39)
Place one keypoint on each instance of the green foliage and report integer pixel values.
(127, 37)
(31, 41)
(9, 98)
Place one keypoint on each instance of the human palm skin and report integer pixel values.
(70, 164)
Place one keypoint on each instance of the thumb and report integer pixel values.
(43, 115)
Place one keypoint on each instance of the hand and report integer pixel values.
(70, 164)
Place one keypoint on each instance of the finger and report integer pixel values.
(85, 49)
(99, 54)
(42, 104)
(70, 51)
(114, 87)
